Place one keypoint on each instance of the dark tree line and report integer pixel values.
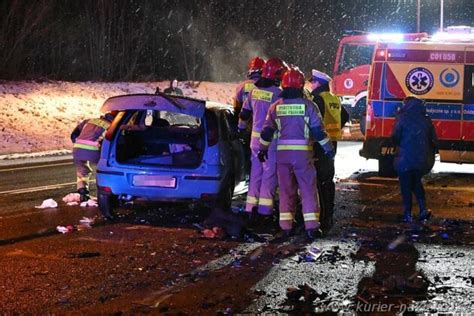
(113, 40)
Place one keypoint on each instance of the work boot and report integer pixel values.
(407, 217)
(84, 194)
(283, 236)
(312, 234)
(424, 215)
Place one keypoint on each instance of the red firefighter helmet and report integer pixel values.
(274, 68)
(293, 78)
(256, 64)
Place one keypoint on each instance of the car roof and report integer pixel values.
(162, 102)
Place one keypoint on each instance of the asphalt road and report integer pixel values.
(155, 260)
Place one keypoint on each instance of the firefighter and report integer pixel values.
(253, 74)
(415, 136)
(335, 117)
(263, 179)
(87, 138)
(173, 88)
(295, 119)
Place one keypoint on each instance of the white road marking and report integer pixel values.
(36, 167)
(40, 188)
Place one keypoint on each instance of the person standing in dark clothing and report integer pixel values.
(335, 117)
(415, 137)
(173, 88)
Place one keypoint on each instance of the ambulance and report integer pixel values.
(439, 72)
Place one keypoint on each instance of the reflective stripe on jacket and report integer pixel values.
(295, 121)
(92, 134)
(332, 115)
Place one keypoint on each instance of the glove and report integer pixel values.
(262, 155)
(330, 154)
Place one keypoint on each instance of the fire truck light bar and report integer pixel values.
(385, 37)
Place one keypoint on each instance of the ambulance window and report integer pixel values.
(469, 84)
(354, 55)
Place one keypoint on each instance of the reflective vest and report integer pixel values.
(332, 115)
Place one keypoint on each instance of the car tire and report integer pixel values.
(361, 108)
(107, 202)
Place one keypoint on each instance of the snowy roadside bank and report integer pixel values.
(38, 117)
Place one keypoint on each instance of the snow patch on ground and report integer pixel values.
(38, 117)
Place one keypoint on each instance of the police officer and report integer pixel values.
(253, 74)
(416, 138)
(295, 120)
(263, 178)
(87, 138)
(334, 118)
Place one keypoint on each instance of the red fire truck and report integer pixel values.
(351, 68)
(441, 73)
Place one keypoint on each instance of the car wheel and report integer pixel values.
(360, 109)
(106, 204)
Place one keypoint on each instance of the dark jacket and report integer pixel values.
(415, 137)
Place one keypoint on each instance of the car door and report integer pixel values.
(237, 149)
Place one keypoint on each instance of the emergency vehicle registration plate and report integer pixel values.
(154, 181)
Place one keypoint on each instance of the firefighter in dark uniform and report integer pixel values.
(334, 118)
(87, 139)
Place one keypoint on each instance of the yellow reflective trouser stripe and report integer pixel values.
(265, 202)
(311, 217)
(286, 216)
(324, 141)
(306, 127)
(84, 146)
(252, 199)
(294, 147)
(278, 123)
(255, 134)
(264, 142)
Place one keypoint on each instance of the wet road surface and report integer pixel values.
(155, 260)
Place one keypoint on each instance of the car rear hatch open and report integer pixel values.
(157, 130)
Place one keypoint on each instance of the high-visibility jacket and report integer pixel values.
(332, 115)
(89, 134)
(257, 104)
(242, 91)
(295, 121)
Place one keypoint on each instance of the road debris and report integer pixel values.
(49, 203)
(396, 242)
(89, 203)
(86, 222)
(65, 229)
(72, 199)
(215, 232)
(81, 255)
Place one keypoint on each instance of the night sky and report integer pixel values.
(193, 40)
